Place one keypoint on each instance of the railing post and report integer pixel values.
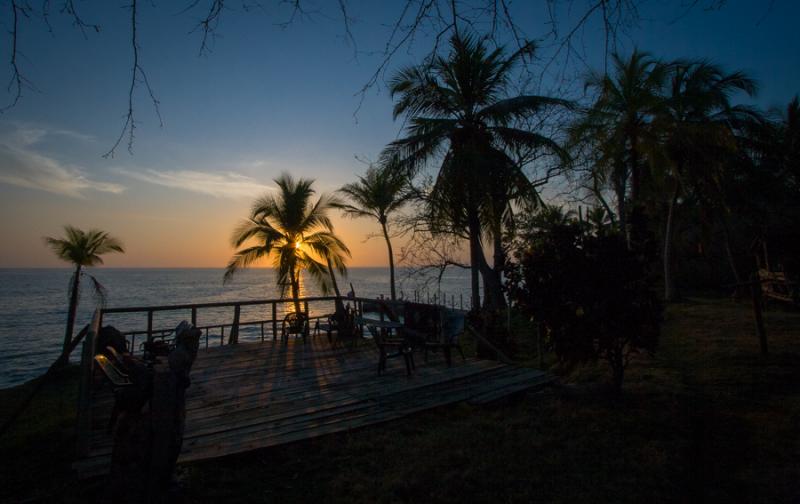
(194, 316)
(274, 320)
(149, 326)
(234, 336)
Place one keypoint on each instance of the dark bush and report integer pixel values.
(591, 296)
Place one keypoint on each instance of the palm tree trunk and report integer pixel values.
(620, 187)
(391, 258)
(669, 286)
(493, 298)
(474, 228)
(496, 284)
(636, 192)
(636, 173)
(73, 306)
(295, 284)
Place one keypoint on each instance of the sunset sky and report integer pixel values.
(265, 100)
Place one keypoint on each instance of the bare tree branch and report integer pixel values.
(129, 127)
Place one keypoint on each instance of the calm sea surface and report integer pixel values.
(33, 303)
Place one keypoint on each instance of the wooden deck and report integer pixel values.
(255, 395)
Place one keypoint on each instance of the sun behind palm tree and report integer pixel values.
(299, 236)
(83, 249)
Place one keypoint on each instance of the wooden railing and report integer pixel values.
(267, 327)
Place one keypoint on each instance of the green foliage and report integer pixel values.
(590, 295)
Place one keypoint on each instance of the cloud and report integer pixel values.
(218, 184)
(22, 166)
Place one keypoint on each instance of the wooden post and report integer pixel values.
(274, 320)
(234, 336)
(149, 325)
(194, 316)
(755, 291)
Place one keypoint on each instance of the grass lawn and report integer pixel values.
(705, 419)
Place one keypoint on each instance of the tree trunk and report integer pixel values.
(492, 285)
(621, 188)
(669, 286)
(295, 284)
(636, 174)
(391, 258)
(499, 258)
(636, 189)
(73, 307)
(475, 252)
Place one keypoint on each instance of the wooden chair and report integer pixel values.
(422, 325)
(453, 324)
(391, 347)
(120, 382)
(294, 323)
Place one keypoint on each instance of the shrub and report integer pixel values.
(590, 295)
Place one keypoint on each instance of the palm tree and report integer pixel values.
(380, 192)
(618, 123)
(696, 129)
(458, 111)
(298, 234)
(82, 249)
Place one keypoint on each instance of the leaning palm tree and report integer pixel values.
(459, 113)
(380, 192)
(82, 249)
(618, 123)
(296, 233)
(696, 128)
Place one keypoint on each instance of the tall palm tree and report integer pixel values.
(296, 233)
(82, 249)
(696, 127)
(459, 113)
(618, 122)
(380, 192)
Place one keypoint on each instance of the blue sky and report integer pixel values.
(265, 100)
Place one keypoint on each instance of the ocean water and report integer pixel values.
(33, 303)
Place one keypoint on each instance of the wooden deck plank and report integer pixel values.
(256, 395)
